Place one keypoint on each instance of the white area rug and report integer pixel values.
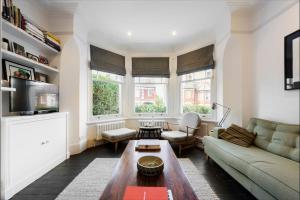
(91, 182)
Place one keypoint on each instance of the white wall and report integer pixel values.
(69, 88)
(271, 100)
(253, 81)
(232, 79)
(238, 71)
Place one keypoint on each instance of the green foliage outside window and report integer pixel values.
(105, 96)
(202, 109)
(157, 107)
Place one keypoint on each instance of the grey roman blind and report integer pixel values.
(106, 61)
(150, 67)
(197, 60)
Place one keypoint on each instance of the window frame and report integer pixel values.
(92, 117)
(166, 100)
(213, 93)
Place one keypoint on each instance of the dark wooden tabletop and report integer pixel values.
(126, 174)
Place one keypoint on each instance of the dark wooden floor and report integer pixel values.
(52, 183)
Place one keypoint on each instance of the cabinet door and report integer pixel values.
(25, 150)
(56, 139)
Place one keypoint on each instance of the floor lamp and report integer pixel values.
(214, 107)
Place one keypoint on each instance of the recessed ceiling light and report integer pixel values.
(174, 33)
(129, 33)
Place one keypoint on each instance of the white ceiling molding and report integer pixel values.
(260, 15)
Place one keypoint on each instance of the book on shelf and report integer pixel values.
(52, 40)
(53, 45)
(12, 14)
(143, 193)
(147, 145)
(52, 37)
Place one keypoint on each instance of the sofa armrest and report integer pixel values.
(216, 131)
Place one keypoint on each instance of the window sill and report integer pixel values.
(99, 121)
(154, 117)
(209, 120)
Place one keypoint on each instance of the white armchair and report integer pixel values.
(184, 137)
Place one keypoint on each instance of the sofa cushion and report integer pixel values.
(278, 138)
(237, 135)
(277, 175)
(118, 134)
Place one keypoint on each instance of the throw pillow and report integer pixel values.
(238, 135)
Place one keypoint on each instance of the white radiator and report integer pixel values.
(150, 122)
(108, 126)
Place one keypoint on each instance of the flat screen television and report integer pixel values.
(33, 97)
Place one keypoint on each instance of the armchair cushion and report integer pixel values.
(190, 119)
(118, 134)
(175, 136)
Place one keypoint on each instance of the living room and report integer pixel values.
(150, 99)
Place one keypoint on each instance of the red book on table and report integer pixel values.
(145, 193)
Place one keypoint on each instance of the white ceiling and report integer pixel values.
(151, 22)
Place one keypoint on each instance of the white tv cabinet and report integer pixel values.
(30, 147)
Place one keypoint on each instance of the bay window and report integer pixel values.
(196, 92)
(150, 95)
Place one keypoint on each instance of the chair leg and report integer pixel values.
(116, 146)
(180, 149)
(206, 157)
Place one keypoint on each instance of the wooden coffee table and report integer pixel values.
(126, 174)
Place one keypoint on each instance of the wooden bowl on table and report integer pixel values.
(150, 165)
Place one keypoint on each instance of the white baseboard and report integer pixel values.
(93, 143)
(78, 147)
(12, 190)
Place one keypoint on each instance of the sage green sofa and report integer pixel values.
(269, 169)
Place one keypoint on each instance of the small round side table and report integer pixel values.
(155, 131)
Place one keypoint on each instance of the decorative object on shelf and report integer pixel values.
(150, 165)
(18, 49)
(41, 77)
(43, 60)
(5, 44)
(32, 57)
(291, 61)
(12, 69)
(221, 122)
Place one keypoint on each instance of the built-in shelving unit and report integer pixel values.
(33, 46)
(8, 89)
(8, 55)
(23, 35)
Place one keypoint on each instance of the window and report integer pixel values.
(106, 93)
(150, 95)
(196, 92)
